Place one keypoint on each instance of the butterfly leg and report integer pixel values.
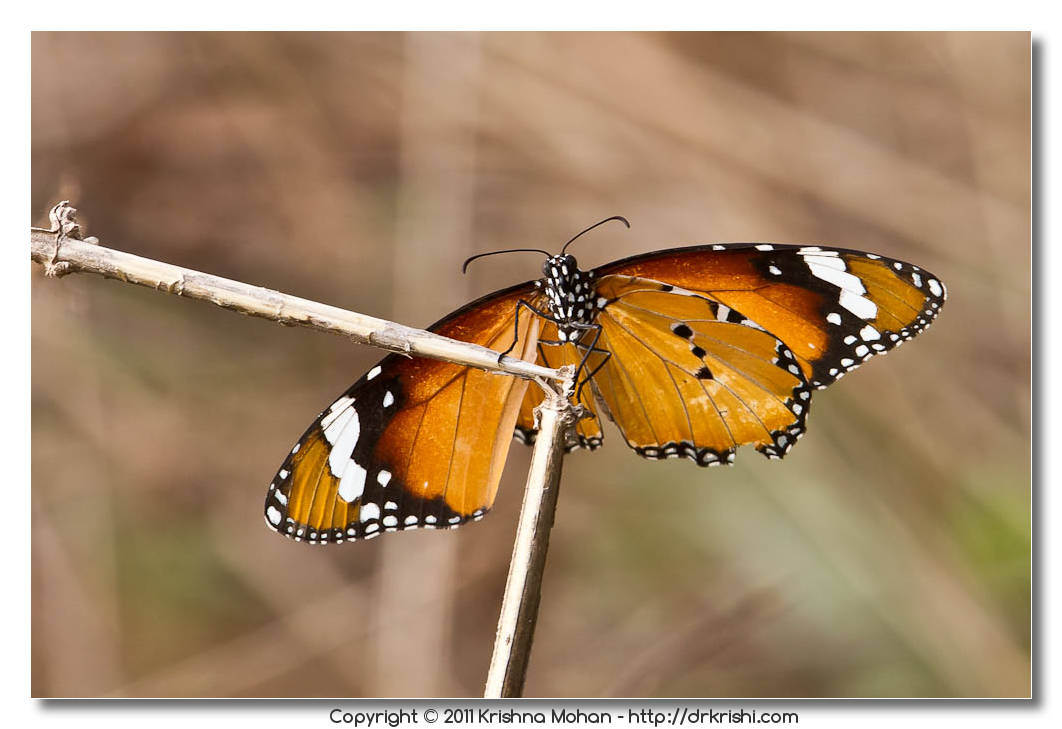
(516, 325)
(586, 355)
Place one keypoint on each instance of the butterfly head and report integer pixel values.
(569, 295)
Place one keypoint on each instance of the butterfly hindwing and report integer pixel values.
(834, 308)
(413, 443)
(688, 377)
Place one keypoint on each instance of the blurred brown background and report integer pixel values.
(888, 555)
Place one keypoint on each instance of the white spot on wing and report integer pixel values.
(373, 372)
(343, 441)
(935, 287)
(765, 247)
(869, 333)
(333, 426)
(352, 484)
(389, 399)
(337, 410)
(837, 276)
(834, 318)
(824, 259)
(383, 478)
(861, 307)
(273, 514)
(369, 511)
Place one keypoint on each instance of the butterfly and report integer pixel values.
(691, 352)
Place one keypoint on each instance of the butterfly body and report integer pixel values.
(569, 296)
(692, 352)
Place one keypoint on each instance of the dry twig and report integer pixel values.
(61, 253)
(523, 587)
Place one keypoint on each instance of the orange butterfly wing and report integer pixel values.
(413, 443)
(681, 381)
(834, 308)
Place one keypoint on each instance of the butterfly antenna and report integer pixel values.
(464, 267)
(602, 222)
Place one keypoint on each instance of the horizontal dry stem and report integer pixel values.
(75, 255)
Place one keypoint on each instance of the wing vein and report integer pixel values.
(313, 494)
(408, 486)
(722, 419)
(682, 400)
(630, 381)
(453, 446)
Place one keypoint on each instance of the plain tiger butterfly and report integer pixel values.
(691, 352)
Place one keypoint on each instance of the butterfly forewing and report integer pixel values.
(834, 308)
(413, 443)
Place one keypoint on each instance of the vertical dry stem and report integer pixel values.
(523, 588)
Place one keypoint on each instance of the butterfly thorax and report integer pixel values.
(569, 296)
